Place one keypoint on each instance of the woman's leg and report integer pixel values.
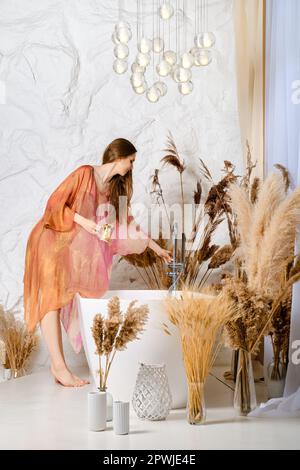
(51, 329)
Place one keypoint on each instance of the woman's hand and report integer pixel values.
(88, 224)
(165, 254)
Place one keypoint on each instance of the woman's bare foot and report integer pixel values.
(83, 380)
(66, 378)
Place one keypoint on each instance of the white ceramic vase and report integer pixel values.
(121, 417)
(7, 374)
(97, 410)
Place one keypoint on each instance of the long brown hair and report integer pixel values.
(119, 185)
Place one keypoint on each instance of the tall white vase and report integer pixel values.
(97, 411)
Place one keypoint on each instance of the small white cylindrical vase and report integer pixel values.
(121, 417)
(7, 374)
(97, 411)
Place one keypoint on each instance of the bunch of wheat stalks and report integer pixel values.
(199, 318)
(17, 342)
(113, 332)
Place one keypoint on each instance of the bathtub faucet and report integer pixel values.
(176, 268)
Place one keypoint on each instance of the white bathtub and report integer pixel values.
(153, 347)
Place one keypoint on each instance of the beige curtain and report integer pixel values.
(249, 26)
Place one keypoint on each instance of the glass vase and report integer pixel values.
(196, 411)
(275, 382)
(244, 394)
(152, 397)
(16, 373)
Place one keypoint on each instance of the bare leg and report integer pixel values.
(62, 351)
(51, 329)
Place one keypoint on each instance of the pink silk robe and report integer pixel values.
(62, 258)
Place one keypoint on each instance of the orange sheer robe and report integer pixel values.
(62, 258)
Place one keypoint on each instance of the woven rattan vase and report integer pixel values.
(152, 396)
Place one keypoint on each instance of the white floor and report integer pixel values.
(36, 413)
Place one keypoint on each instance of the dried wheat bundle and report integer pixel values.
(18, 342)
(115, 331)
(199, 320)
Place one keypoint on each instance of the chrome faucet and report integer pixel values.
(177, 268)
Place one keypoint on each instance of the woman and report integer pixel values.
(65, 253)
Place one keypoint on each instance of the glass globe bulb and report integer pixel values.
(157, 45)
(140, 89)
(137, 68)
(137, 79)
(170, 57)
(152, 95)
(121, 51)
(145, 45)
(114, 38)
(205, 40)
(124, 35)
(181, 75)
(120, 66)
(163, 68)
(142, 59)
(187, 60)
(122, 24)
(166, 11)
(185, 88)
(194, 50)
(202, 57)
(161, 87)
(209, 40)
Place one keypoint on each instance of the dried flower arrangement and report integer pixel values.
(261, 293)
(114, 332)
(150, 266)
(209, 212)
(17, 342)
(199, 318)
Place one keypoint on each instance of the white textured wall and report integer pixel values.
(61, 104)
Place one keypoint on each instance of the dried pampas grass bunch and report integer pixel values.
(17, 342)
(267, 230)
(113, 332)
(200, 319)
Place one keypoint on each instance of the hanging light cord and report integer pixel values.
(153, 40)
